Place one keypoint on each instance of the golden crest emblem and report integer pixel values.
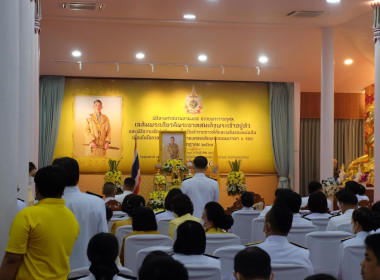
(193, 103)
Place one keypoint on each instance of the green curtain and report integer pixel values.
(282, 131)
(51, 98)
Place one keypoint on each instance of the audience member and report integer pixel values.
(42, 237)
(317, 204)
(190, 245)
(371, 262)
(128, 187)
(130, 203)
(31, 186)
(361, 195)
(109, 213)
(143, 222)
(252, 263)
(109, 191)
(247, 199)
(154, 254)
(168, 214)
(313, 187)
(215, 219)
(376, 217)
(182, 208)
(320, 276)
(268, 207)
(357, 189)
(89, 211)
(347, 202)
(163, 268)
(278, 222)
(200, 189)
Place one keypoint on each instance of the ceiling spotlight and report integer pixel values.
(263, 59)
(202, 57)
(140, 55)
(333, 1)
(348, 61)
(189, 16)
(76, 53)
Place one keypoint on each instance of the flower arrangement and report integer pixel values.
(173, 164)
(330, 186)
(114, 176)
(235, 179)
(157, 200)
(160, 180)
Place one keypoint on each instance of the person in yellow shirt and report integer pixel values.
(215, 219)
(183, 209)
(42, 236)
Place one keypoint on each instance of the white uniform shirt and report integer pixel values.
(248, 209)
(305, 200)
(362, 197)
(164, 215)
(92, 277)
(201, 190)
(298, 220)
(196, 260)
(108, 199)
(120, 197)
(338, 220)
(317, 215)
(283, 252)
(90, 213)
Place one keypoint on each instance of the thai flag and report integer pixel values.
(136, 170)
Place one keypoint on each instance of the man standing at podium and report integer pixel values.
(200, 189)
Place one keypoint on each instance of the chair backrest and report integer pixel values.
(344, 227)
(289, 271)
(197, 272)
(163, 226)
(352, 256)
(243, 225)
(365, 203)
(122, 232)
(226, 256)
(217, 240)
(320, 223)
(324, 250)
(257, 230)
(114, 205)
(135, 243)
(298, 233)
(141, 254)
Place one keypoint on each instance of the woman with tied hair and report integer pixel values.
(102, 252)
(168, 214)
(190, 245)
(130, 203)
(215, 219)
(317, 204)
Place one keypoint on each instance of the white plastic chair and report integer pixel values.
(344, 227)
(218, 240)
(352, 256)
(141, 254)
(197, 272)
(257, 230)
(226, 256)
(122, 232)
(289, 271)
(135, 243)
(320, 223)
(242, 225)
(84, 271)
(324, 250)
(298, 233)
(163, 226)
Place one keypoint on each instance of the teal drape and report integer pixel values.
(51, 98)
(282, 131)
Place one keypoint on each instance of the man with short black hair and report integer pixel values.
(109, 191)
(314, 186)
(348, 202)
(128, 187)
(371, 262)
(200, 189)
(89, 210)
(42, 237)
(252, 263)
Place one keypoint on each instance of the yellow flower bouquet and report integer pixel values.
(174, 164)
(114, 176)
(157, 200)
(235, 179)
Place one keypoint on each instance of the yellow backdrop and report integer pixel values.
(236, 113)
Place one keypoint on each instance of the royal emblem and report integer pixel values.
(193, 103)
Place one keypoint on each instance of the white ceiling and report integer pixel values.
(233, 33)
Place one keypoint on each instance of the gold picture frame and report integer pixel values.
(170, 149)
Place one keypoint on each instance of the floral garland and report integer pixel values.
(235, 179)
(330, 186)
(172, 164)
(114, 176)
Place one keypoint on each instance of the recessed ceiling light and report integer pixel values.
(140, 55)
(348, 61)
(333, 1)
(202, 57)
(189, 16)
(76, 53)
(263, 59)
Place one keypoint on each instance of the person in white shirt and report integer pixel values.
(317, 204)
(109, 191)
(278, 222)
(168, 214)
(252, 263)
(358, 189)
(89, 211)
(361, 225)
(200, 189)
(247, 199)
(128, 187)
(347, 203)
(313, 187)
(376, 213)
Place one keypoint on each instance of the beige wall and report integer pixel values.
(265, 185)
